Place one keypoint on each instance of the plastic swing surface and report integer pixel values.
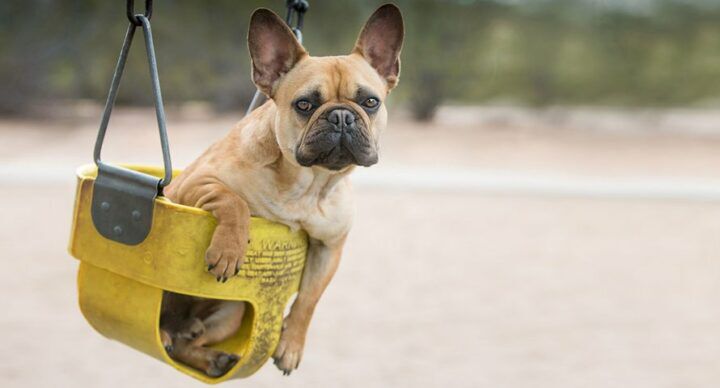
(121, 286)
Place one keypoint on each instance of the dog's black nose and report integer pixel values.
(341, 117)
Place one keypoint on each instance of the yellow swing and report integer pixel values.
(133, 244)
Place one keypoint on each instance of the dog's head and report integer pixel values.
(330, 110)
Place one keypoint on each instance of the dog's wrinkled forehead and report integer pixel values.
(322, 80)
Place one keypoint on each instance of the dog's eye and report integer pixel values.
(304, 106)
(371, 103)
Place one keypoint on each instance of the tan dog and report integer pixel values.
(287, 162)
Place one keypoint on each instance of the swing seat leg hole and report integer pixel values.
(199, 332)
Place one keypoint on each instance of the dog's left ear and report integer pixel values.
(274, 50)
(380, 42)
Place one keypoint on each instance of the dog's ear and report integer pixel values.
(380, 42)
(274, 50)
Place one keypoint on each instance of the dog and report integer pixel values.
(287, 161)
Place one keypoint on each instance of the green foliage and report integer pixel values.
(458, 51)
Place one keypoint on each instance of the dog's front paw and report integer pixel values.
(289, 351)
(226, 253)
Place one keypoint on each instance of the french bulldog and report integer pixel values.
(287, 161)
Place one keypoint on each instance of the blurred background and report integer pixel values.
(658, 53)
(545, 213)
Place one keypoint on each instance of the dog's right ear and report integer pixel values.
(274, 50)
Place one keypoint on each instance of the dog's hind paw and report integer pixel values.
(167, 341)
(221, 364)
(191, 329)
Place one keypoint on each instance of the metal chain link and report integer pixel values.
(132, 17)
(298, 7)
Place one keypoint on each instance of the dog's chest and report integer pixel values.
(326, 215)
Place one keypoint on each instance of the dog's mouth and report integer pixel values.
(335, 158)
(336, 146)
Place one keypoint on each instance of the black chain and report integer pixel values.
(298, 7)
(132, 17)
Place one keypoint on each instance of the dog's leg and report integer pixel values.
(220, 320)
(175, 309)
(230, 239)
(320, 266)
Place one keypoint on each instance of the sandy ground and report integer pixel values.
(438, 288)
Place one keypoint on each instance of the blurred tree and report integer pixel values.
(535, 52)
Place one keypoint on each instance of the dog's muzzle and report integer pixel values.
(337, 139)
